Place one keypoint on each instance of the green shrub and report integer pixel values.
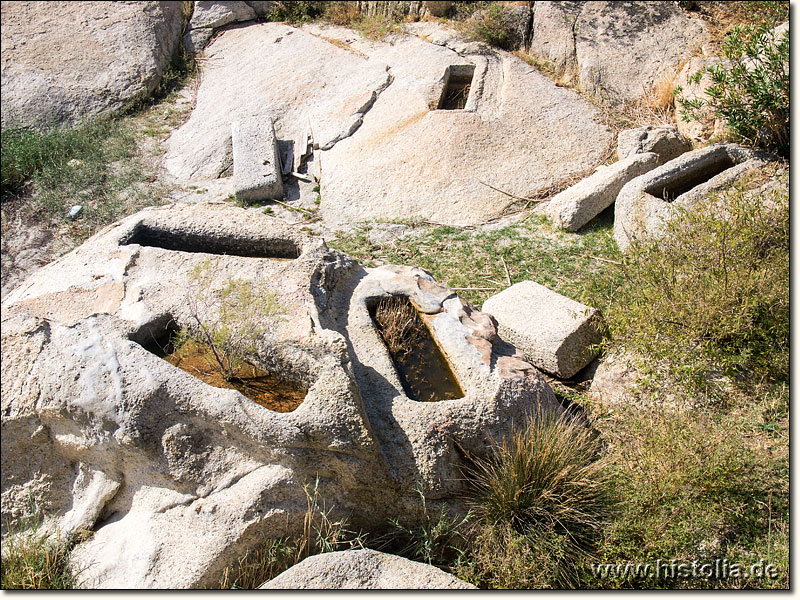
(545, 487)
(752, 92)
(297, 12)
(490, 23)
(711, 297)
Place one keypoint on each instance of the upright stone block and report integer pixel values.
(554, 333)
(256, 164)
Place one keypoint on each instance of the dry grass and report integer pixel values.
(342, 13)
(33, 561)
(398, 322)
(546, 484)
(321, 533)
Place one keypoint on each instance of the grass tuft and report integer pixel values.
(545, 487)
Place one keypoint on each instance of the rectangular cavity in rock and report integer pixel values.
(690, 178)
(457, 83)
(194, 241)
(256, 162)
(196, 358)
(424, 372)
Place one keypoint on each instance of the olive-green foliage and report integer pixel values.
(488, 22)
(751, 93)
(499, 557)
(712, 296)
(32, 561)
(690, 487)
(544, 488)
(229, 319)
(297, 12)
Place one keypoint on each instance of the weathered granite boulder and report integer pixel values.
(645, 204)
(66, 61)
(363, 570)
(665, 140)
(262, 8)
(614, 50)
(438, 8)
(553, 36)
(209, 15)
(707, 125)
(383, 148)
(177, 478)
(555, 333)
(256, 164)
(578, 204)
(615, 380)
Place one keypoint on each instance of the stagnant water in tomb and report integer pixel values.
(262, 387)
(423, 370)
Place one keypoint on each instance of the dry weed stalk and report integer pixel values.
(398, 322)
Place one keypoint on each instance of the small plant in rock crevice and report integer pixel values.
(321, 533)
(230, 319)
(439, 540)
(32, 558)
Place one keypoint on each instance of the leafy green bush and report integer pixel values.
(297, 11)
(751, 93)
(544, 488)
(712, 296)
(490, 23)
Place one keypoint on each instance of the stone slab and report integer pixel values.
(256, 164)
(577, 205)
(555, 333)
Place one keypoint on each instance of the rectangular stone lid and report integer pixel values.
(556, 333)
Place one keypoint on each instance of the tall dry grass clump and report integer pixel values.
(542, 490)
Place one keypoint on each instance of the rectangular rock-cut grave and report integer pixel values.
(457, 85)
(689, 178)
(267, 389)
(421, 366)
(191, 240)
